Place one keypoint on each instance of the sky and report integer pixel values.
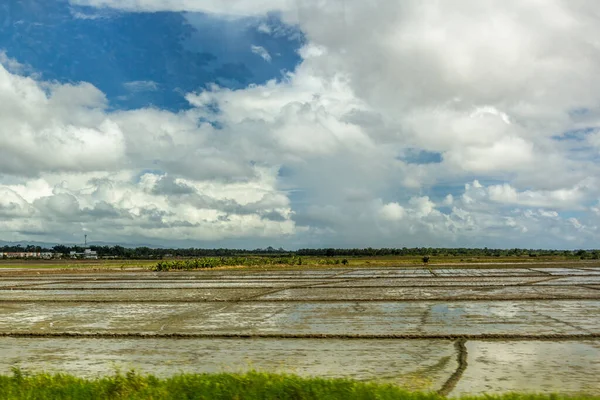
(301, 123)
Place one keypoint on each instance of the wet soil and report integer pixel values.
(425, 328)
(420, 365)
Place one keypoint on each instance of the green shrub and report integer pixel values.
(212, 262)
(250, 386)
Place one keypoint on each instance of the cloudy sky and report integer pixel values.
(301, 123)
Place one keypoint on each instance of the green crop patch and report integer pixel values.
(214, 262)
(251, 386)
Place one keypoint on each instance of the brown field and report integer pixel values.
(450, 327)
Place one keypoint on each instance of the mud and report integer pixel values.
(132, 295)
(417, 293)
(448, 367)
(435, 282)
(372, 318)
(462, 363)
(151, 285)
(452, 330)
(531, 366)
(420, 365)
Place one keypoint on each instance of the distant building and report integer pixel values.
(30, 254)
(87, 254)
(21, 254)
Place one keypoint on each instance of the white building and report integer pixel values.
(87, 254)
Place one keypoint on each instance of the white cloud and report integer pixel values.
(141, 86)
(488, 87)
(55, 127)
(223, 7)
(566, 199)
(13, 205)
(392, 212)
(448, 200)
(70, 166)
(261, 52)
(116, 208)
(422, 206)
(10, 64)
(264, 28)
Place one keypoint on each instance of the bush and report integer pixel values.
(212, 262)
(251, 386)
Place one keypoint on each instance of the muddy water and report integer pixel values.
(568, 367)
(423, 365)
(525, 303)
(497, 367)
(130, 295)
(498, 292)
(355, 318)
(433, 282)
(133, 284)
(333, 292)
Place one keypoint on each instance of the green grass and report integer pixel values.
(284, 262)
(251, 386)
(76, 264)
(215, 262)
(278, 263)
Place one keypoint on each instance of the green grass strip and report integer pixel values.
(251, 386)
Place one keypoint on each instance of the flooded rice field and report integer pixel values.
(451, 330)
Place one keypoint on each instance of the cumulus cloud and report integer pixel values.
(69, 166)
(153, 208)
(392, 212)
(49, 127)
(485, 87)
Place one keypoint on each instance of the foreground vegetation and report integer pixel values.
(253, 385)
(213, 262)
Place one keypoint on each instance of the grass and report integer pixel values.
(215, 262)
(283, 263)
(251, 386)
(76, 264)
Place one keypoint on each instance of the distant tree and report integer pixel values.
(581, 254)
(61, 249)
(425, 260)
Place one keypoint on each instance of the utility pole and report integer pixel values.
(85, 240)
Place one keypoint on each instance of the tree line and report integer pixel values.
(446, 252)
(159, 253)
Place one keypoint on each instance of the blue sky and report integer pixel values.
(144, 59)
(299, 123)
